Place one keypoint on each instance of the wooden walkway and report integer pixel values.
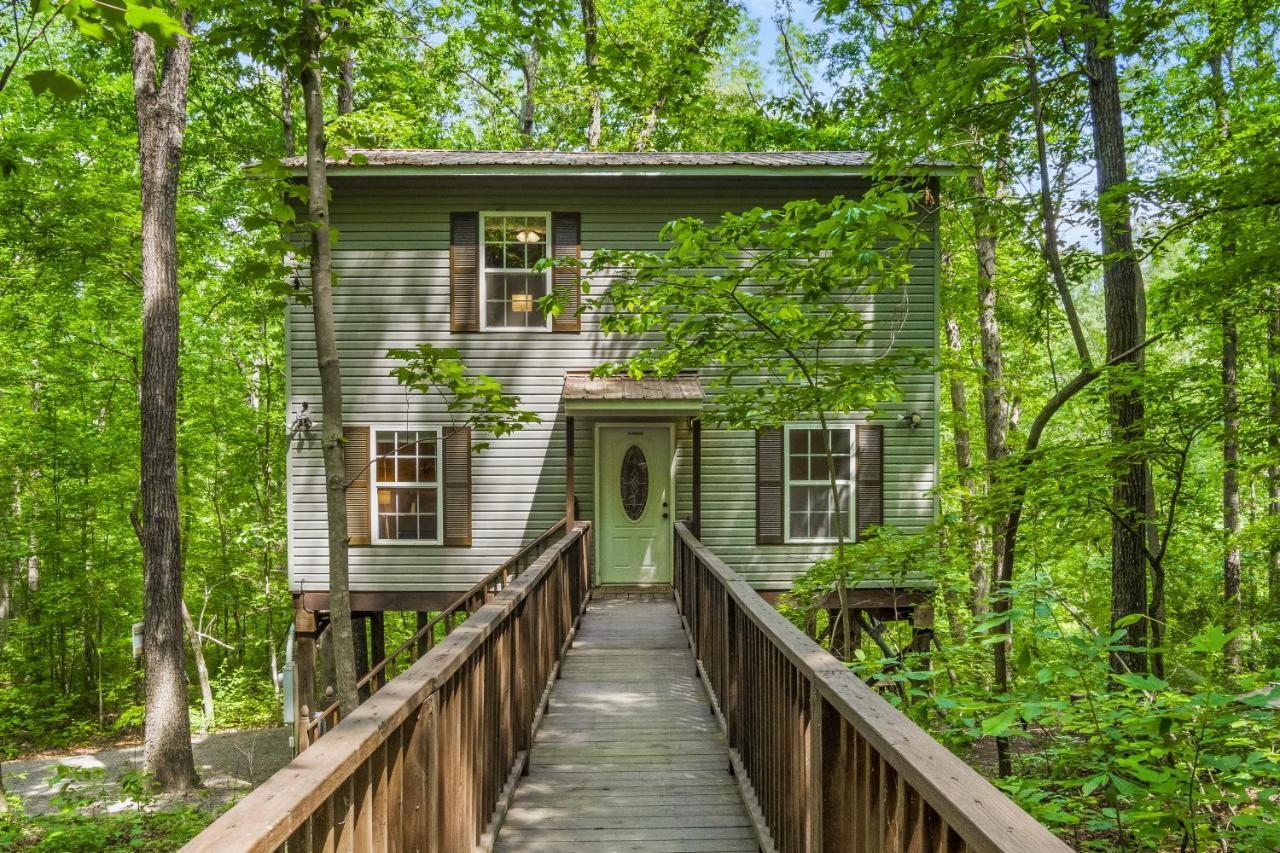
(628, 756)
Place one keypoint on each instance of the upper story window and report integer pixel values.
(811, 512)
(406, 485)
(509, 287)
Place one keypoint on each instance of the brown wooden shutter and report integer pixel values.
(769, 485)
(359, 507)
(869, 475)
(457, 486)
(566, 242)
(464, 272)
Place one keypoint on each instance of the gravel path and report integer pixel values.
(229, 764)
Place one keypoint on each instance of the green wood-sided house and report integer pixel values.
(439, 247)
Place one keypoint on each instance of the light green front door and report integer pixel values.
(634, 535)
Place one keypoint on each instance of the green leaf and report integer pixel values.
(56, 83)
(1000, 723)
(1142, 682)
(153, 21)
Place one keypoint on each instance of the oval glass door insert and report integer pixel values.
(634, 482)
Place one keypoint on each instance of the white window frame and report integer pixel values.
(787, 482)
(485, 270)
(375, 526)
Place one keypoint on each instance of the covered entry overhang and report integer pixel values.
(634, 452)
(622, 396)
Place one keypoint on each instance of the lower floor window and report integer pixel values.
(811, 506)
(407, 485)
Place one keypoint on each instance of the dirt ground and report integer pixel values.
(229, 764)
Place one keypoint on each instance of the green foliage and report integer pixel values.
(766, 300)
(243, 700)
(478, 399)
(159, 830)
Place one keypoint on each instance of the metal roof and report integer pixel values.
(443, 161)
(581, 385)
(584, 392)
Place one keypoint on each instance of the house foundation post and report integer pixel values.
(360, 641)
(424, 644)
(922, 633)
(377, 643)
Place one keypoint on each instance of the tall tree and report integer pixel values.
(1125, 309)
(590, 52)
(332, 445)
(160, 103)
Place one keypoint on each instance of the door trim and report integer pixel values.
(597, 512)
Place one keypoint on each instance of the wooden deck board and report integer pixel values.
(628, 756)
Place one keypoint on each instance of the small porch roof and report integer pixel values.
(585, 394)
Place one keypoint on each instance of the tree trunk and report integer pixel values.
(589, 36)
(978, 572)
(327, 361)
(202, 669)
(995, 401)
(995, 414)
(288, 131)
(161, 113)
(1122, 286)
(346, 82)
(529, 70)
(1048, 211)
(1273, 448)
(1230, 487)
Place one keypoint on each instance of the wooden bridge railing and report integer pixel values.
(424, 638)
(831, 765)
(423, 764)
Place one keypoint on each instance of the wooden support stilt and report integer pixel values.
(360, 644)
(377, 644)
(425, 643)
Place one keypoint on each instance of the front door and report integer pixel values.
(634, 500)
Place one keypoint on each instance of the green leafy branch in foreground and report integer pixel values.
(480, 399)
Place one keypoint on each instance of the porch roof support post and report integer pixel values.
(695, 517)
(568, 472)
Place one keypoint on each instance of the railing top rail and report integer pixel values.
(980, 812)
(265, 818)
(453, 608)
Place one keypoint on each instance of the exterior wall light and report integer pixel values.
(913, 420)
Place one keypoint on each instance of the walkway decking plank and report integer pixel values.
(628, 756)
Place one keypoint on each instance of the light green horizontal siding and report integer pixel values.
(392, 290)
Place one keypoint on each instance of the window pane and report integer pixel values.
(842, 466)
(799, 525)
(511, 300)
(405, 470)
(386, 442)
(840, 441)
(408, 527)
(818, 468)
(386, 470)
(426, 470)
(799, 442)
